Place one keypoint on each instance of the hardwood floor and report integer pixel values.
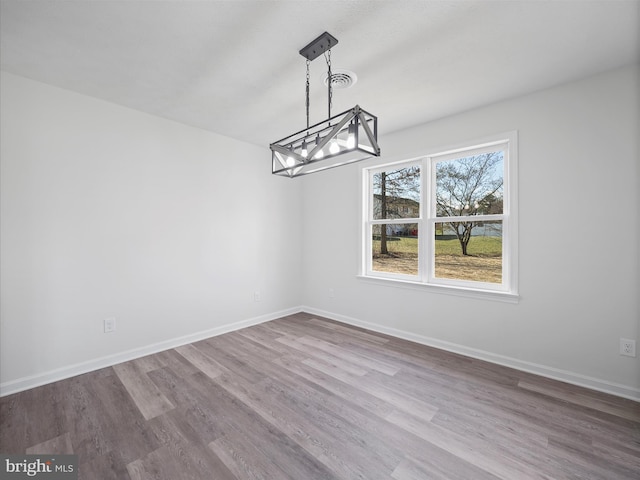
(306, 398)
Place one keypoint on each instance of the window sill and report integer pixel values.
(505, 297)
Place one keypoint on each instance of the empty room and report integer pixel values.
(303, 240)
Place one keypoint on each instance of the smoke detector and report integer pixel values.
(340, 78)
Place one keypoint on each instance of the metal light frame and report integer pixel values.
(351, 135)
(289, 158)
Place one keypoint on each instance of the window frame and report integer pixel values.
(370, 221)
(427, 220)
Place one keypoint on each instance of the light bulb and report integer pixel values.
(290, 160)
(303, 150)
(334, 147)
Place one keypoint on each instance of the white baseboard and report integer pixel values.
(542, 370)
(25, 383)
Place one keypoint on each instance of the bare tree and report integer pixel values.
(466, 187)
(392, 189)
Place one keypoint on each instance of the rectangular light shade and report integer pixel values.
(348, 137)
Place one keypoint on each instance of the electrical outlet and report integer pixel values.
(627, 347)
(256, 296)
(332, 293)
(109, 324)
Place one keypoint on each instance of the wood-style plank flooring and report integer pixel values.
(306, 398)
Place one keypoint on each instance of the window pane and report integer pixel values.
(395, 248)
(469, 251)
(470, 186)
(396, 193)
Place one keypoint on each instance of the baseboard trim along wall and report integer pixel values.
(25, 383)
(33, 381)
(623, 391)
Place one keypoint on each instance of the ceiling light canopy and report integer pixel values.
(345, 138)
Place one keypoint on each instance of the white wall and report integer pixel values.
(108, 212)
(579, 237)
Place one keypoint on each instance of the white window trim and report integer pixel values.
(508, 290)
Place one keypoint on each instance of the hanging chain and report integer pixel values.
(329, 81)
(307, 101)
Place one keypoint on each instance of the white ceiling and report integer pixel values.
(233, 67)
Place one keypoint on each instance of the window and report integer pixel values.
(394, 230)
(445, 220)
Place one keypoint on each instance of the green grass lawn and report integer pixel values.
(478, 246)
(408, 245)
(483, 264)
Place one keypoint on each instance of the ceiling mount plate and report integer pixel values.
(318, 46)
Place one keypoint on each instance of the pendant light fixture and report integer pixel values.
(341, 139)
